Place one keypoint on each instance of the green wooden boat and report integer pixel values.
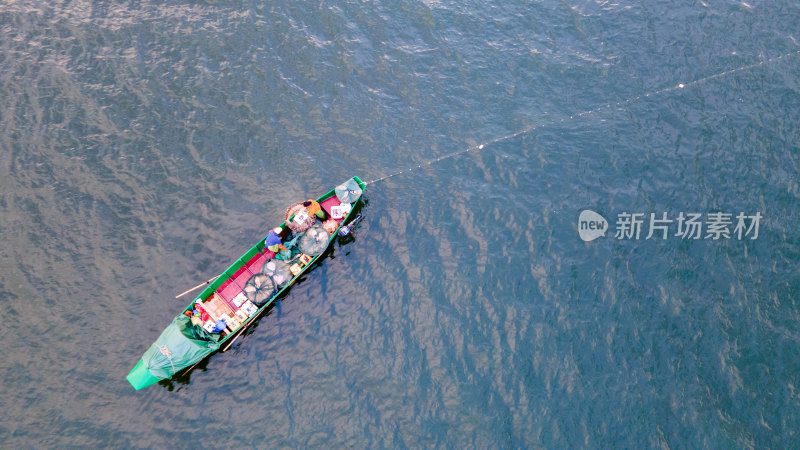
(244, 290)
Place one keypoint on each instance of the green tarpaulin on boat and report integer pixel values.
(178, 347)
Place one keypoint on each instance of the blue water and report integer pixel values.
(145, 146)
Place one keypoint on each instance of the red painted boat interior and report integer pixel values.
(233, 286)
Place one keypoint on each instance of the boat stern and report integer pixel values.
(140, 377)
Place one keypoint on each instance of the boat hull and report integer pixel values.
(141, 376)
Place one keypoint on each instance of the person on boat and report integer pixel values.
(273, 241)
(314, 208)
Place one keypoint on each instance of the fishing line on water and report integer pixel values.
(610, 105)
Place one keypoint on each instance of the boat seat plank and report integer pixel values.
(224, 285)
(241, 276)
(229, 290)
(233, 286)
(256, 262)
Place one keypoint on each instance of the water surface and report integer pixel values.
(145, 146)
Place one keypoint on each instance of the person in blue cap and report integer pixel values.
(273, 241)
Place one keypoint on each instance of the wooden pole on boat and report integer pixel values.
(196, 287)
(193, 366)
(239, 333)
(232, 341)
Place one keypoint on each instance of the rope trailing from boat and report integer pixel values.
(592, 111)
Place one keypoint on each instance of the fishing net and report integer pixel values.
(314, 241)
(277, 270)
(259, 288)
(349, 191)
(302, 219)
(290, 242)
(180, 345)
